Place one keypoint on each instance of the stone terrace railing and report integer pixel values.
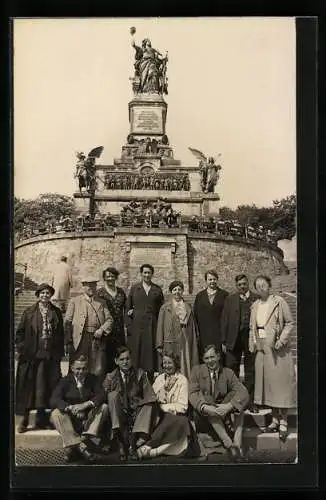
(94, 233)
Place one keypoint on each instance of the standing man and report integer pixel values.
(235, 332)
(217, 395)
(143, 305)
(88, 323)
(208, 307)
(62, 282)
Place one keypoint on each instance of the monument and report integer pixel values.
(147, 169)
(151, 187)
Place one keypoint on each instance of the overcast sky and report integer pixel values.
(231, 91)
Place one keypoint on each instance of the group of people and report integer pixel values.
(150, 376)
(150, 214)
(167, 182)
(146, 214)
(231, 228)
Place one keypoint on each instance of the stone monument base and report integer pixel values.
(175, 254)
(186, 202)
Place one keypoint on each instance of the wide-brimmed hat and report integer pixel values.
(44, 286)
(89, 279)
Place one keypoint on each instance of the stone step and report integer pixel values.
(253, 440)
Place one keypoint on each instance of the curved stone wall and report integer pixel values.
(175, 253)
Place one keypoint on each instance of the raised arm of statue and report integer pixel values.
(139, 51)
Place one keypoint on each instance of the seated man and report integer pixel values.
(79, 410)
(215, 394)
(131, 402)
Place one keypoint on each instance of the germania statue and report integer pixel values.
(150, 68)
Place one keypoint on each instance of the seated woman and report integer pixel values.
(173, 435)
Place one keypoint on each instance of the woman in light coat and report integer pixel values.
(173, 434)
(177, 331)
(271, 323)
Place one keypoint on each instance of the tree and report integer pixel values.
(46, 207)
(284, 223)
(280, 217)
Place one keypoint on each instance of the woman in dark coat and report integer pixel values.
(143, 305)
(208, 307)
(176, 329)
(115, 299)
(39, 343)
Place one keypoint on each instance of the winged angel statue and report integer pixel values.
(208, 169)
(86, 170)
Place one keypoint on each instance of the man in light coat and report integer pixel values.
(88, 323)
(61, 282)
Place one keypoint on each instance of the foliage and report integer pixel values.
(46, 207)
(280, 217)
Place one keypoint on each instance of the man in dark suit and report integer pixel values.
(79, 412)
(131, 402)
(208, 308)
(216, 395)
(143, 305)
(235, 332)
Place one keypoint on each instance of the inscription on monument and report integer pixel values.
(152, 253)
(147, 120)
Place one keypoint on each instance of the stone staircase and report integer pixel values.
(32, 444)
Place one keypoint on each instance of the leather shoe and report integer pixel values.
(132, 454)
(22, 428)
(283, 432)
(89, 457)
(234, 453)
(123, 453)
(106, 448)
(70, 455)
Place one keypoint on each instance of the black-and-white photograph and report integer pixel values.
(155, 251)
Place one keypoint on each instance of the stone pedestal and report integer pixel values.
(147, 169)
(147, 115)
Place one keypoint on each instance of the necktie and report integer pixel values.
(80, 388)
(213, 381)
(125, 392)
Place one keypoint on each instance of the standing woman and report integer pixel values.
(39, 343)
(271, 323)
(115, 299)
(176, 329)
(208, 307)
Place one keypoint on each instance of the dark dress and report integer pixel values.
(116, 306)
(142, 326)
(38, 369)
(208, 317)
